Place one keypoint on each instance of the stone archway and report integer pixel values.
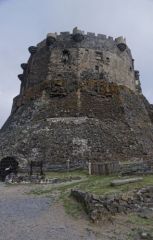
(8, 165)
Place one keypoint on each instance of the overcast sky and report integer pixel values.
(26, 22)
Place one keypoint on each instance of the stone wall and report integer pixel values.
(102, 207)
(80, 126)
(65, 60)
(79, 101)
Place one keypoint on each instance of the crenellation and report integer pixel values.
(77, 31)
(133, 63)
(137, 75)
(110, 38)
(101, 36)
(65, 33)
(51, 39)
(121, 43)
(89, 40)
(91, 34)
(21, 77)
(24, 66)
(32, 49)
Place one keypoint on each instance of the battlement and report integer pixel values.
(70, 58)
(85, 40)
(86, 34)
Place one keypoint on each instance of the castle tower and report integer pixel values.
(68, 60)
(80, 99)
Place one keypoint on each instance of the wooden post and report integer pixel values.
(68, 165)
(41, 168)
(31, 172)
(89, 165)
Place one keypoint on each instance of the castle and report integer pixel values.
(68, 60)
(80, 99)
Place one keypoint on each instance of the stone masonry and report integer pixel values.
(80, 100)
(100, 207)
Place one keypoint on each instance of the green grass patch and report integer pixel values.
(133, 218)
(40, 191)
(139, 224)
(99, 185)
(72, 207)
(62, 175)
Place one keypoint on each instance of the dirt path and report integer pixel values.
(27, 217)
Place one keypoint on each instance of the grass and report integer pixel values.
(139, 221)
(72, 207)
(99, 185)
(62, 175)
(139, 225)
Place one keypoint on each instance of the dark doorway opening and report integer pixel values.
(36, 167)
(8, 165)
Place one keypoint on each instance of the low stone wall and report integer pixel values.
(100, 207)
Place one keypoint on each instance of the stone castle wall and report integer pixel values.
(80, 100)
(112, 125)
(66, 60)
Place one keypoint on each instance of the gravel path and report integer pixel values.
(27, 217)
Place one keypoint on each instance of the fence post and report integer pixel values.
(31, 170)
(89, 165)
(41, 168)
(68, 165)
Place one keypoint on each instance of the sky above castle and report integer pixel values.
(25, 23)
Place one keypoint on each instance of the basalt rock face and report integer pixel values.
(80, 100)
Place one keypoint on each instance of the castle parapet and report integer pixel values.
(137, 75)
(78, 35)
(121, 43)
(85, 40)
(20, 77)
(24, 66)
(51, 38)
(32, 49)
(137, 81)
(91, 34)
(78, 56)
(102, 36)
